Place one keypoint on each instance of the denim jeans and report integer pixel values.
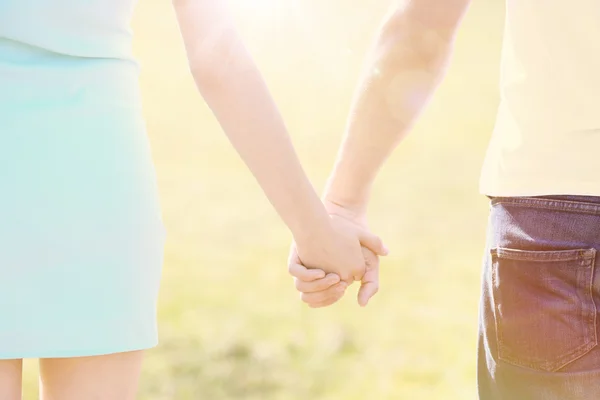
(539, 328)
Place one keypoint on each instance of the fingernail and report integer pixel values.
(386, 250)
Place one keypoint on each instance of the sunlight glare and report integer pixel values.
(261, 8)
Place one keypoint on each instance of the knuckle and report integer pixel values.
(359, 269)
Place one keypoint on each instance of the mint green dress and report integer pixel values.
(81, 233)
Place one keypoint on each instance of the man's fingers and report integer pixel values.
(325, 303)
(370, 282)
(304, 274)
(366, 291)
(373, 243)
(328, 296)
(318, 284)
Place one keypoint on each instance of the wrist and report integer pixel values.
(312, 228)
(347, 188)
(338, 196)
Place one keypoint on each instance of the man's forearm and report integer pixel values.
(402, 72)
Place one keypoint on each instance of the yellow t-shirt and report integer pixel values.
(547, 134)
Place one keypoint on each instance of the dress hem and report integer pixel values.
(74, 353)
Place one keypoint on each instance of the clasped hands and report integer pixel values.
(326, 263)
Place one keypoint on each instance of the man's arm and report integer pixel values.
(403, 69)
(402, 72)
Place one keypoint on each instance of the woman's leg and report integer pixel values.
(11, 379)
(110, 377)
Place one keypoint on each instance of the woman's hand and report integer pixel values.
(326, 285)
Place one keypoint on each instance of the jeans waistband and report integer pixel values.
(581, 204)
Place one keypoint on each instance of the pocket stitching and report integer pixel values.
(587, 257)
(552, 255)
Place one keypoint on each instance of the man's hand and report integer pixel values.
(319, 289)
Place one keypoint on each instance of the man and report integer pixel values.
(539, 328)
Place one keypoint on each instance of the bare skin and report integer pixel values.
(402, 71)
(109, 377)
(11, 379)
(225, 74)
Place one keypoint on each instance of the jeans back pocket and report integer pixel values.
(544, 307)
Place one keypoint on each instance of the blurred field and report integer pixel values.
(230, 321)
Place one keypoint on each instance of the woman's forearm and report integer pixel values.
(250, 119)
(233, 88)
(401, 73)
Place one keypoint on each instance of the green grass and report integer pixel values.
(231, 324)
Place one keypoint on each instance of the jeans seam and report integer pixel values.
(547, 204)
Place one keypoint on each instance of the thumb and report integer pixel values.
(373, 243)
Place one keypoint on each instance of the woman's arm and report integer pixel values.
(233, 87)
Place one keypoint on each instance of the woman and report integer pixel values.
(81, 227)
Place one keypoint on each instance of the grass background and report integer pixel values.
(231, 324)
